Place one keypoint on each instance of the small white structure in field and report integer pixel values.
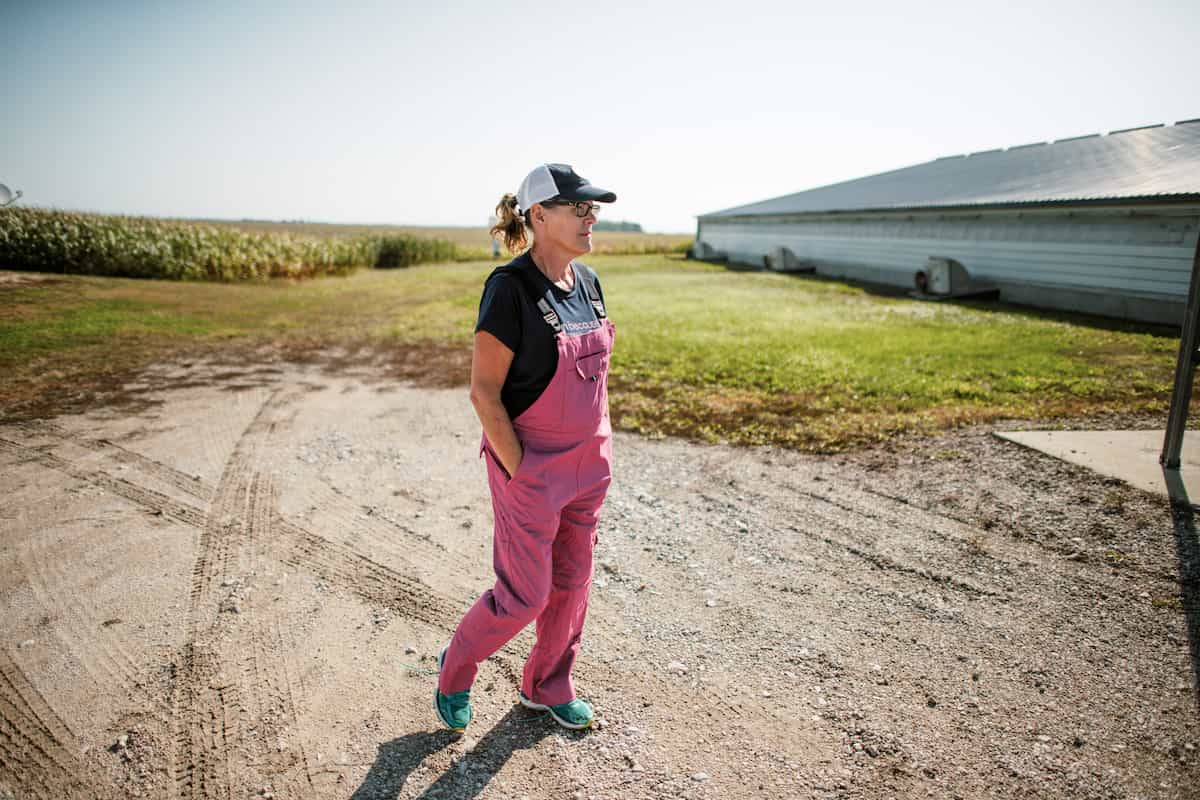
(492, 220)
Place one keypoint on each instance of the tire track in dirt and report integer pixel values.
(892, 510)
(98, 648)
(149, 499)
(365, 525)
(204, 707)
(849, 534)
(885, 563)
(289, 770)
(1043, 547)
(189, 484)
(304, 549)
(209, 731)
(265, 668)
(349, 515)
(35, 743)
(377, 583)
(833, 515)
(362, 529)
(756, 536)
(830, 516)
(1005, 558)
(243, 521)
(95, 642)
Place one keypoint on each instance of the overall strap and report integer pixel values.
(548, 313)
(593, 294)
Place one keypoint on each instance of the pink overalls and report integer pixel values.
(546, 516)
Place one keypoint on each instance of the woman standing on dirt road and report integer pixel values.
(539, 384)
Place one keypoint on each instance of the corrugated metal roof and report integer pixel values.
(1156, 162)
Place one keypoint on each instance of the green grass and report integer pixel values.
(701, 351)
(96, 323)
(759, 357)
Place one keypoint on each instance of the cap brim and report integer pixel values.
(589, 192)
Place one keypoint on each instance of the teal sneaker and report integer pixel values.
(576, 715)
(454, 709)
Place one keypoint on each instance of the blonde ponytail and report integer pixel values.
(512, 225)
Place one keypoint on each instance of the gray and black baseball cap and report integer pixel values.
(548, 181)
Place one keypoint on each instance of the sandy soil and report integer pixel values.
(240, 590)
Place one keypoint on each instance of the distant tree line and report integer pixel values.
(615, 225)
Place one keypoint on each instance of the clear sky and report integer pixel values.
(424, 113)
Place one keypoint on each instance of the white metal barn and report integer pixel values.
(1100, 224)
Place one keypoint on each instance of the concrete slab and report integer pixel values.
(1131, 456)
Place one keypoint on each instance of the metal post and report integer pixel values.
(1185, 370)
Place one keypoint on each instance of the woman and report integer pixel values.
(539, 384)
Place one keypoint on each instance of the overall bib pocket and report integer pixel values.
(592, 367)
(591, 390)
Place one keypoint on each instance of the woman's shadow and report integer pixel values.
(517, 730)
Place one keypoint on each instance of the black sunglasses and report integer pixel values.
(582, 207)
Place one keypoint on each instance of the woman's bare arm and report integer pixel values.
(490, 360)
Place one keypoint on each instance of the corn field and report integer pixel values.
(404, 250)
(139, 247)
(474, 243)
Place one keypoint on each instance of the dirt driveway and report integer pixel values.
(240, 592)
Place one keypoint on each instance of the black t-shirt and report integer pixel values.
(509, 312)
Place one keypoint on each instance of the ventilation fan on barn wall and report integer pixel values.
(781, 259)
(945, 278)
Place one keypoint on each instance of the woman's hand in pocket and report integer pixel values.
(511, 466)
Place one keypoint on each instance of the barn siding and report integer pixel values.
(1135, 267)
